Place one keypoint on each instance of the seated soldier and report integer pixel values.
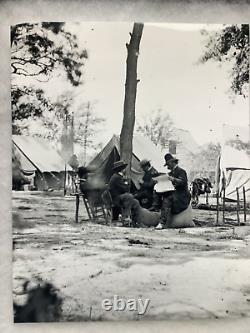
(118, 185)
(89, 186)
(83, 179)
(145, 193)
(176, 201)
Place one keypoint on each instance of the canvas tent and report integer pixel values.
(142, 148)
(37, 156)
(233, 167)
(183, 146)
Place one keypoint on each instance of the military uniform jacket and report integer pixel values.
(148, 181)
(117, 186)
(181, 196)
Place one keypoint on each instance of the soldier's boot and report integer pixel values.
(156, 204)
(164, 219)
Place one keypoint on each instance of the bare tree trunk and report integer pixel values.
(126, 136)
(86, 133)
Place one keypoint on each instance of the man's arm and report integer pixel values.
(179, 178)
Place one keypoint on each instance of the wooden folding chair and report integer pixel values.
(101, 208)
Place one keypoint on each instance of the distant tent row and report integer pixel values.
(42, 163)
(39, 161)
(233, 167)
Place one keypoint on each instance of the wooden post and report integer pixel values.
(238, 205)
(217, 207)
(64, 185)
(223, 205)
(207, 198)
(244, 203)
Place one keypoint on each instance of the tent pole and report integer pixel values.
(207, 198)
(217, 207)
(238, 205)
(64, 186)
(223, 209)
(244, 203)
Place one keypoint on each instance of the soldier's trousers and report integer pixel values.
(166, 210)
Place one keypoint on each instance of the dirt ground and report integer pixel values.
(201, 272)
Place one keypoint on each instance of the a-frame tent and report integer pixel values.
(37, 156)
(142, 148)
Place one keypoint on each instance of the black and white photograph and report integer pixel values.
(130, 171)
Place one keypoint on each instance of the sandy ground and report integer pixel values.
(201, 272)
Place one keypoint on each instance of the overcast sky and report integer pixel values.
(195, 96)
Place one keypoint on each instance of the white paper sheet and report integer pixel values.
(163, 184)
